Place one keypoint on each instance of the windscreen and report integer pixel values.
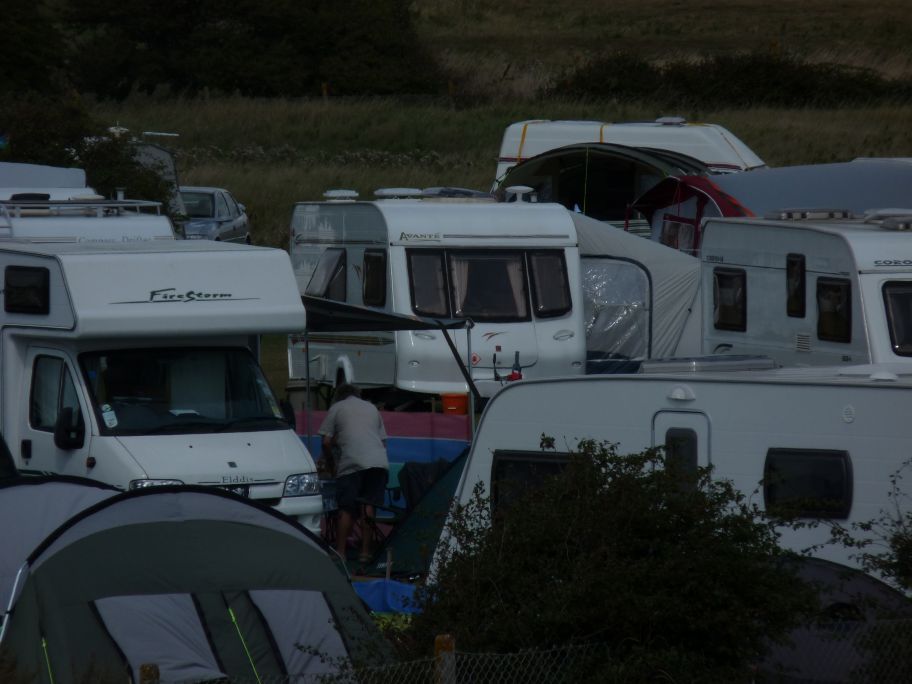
(898, 302)
(198, 204)
(183, 390)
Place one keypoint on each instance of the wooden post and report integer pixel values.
(444, 659)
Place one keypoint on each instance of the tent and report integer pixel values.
(676, 206)
(637, 295)
(195, 581)
(600, 180)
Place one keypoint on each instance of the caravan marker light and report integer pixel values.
(303, 484)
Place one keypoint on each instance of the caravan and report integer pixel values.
(513, 269)
(826, 440)
(131, 360)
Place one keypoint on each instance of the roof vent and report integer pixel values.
(808, 214)
(341, 195)
(397, 193)
(671, 120)
(519, 193)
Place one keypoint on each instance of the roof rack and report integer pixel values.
(25, 206)
(809, 214)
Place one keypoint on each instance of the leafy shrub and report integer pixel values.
(673, 572)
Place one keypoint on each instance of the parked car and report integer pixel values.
(214, 214)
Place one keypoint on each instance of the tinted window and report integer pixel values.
(730, 299)
(427, 283)
(328, 279)
(52, 389)
(898, 302)
(834, 309)
(795, 281)
(679, 233)
(681, 450)
(489, 285)
(550, 290)
(514, 473)
(374, 287)
(198, 204)
(808, 483)
(27, 290)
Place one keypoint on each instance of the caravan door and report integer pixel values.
(685, 436)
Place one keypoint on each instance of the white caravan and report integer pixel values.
(807, 291)
(830, 438)
(712, 144)
(513, 269)
(131, 363)
(37, 181)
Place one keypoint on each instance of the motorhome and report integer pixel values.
(133, 362)
(513, 269)
(807, 289)
(711, 144)
(826, 441)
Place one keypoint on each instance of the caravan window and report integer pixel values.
(550, 289)
(795, 285)
(834, 309)
(374, 287)
(489, 285)
(27, 290)
(52, 390)
(679, 233)
(808, 483)
(514, 473)
(898, 301)
(730, 299)
(427, 282)
(328, 279)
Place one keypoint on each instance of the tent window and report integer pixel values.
(427, 283)
(808, 483)
(489, 285)
(52, 390)
(374, 289)
(730, 299)
(834, 309)
(679, 233)
(27, 290)
(795, 281)
(550, 288)
(328, 280)
(898, 302)
(514, 473)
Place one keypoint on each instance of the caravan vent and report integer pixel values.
(671, 120)
(802, 342)
(340, 195)
(808, 214)
(397, 193)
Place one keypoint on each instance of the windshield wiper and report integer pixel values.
(265, 420)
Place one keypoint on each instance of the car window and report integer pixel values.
(233, 208)
(221, 207)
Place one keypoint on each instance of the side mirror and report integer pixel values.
(68, 436)
(288, 412)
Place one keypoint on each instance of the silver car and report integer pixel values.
(214, 214)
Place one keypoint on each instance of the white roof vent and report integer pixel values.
(341, 195)
(518, 193)
(671, 120)
(397, 193)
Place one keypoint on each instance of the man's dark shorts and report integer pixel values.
(363, 486)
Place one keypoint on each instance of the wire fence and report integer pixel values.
(845, 652)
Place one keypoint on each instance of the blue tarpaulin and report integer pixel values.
(387, 596)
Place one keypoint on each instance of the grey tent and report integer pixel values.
(198, 582)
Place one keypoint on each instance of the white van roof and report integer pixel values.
(170, 289)
(712, 144)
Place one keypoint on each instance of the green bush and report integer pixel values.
(673, 572)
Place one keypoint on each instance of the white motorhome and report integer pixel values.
(712, 144)
(513, 269)
(829, 438)
(132, 363)
(807, 289)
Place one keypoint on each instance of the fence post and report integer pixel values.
(444, 659)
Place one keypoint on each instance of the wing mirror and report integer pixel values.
(67, 435)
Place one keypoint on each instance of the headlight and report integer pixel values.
(142, 484)
(304, 484)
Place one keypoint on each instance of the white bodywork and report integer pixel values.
(868, 261)
(735, 421)
(710, 143)
(191, 301)
(421, 361)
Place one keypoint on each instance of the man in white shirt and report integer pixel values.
(355, 428)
